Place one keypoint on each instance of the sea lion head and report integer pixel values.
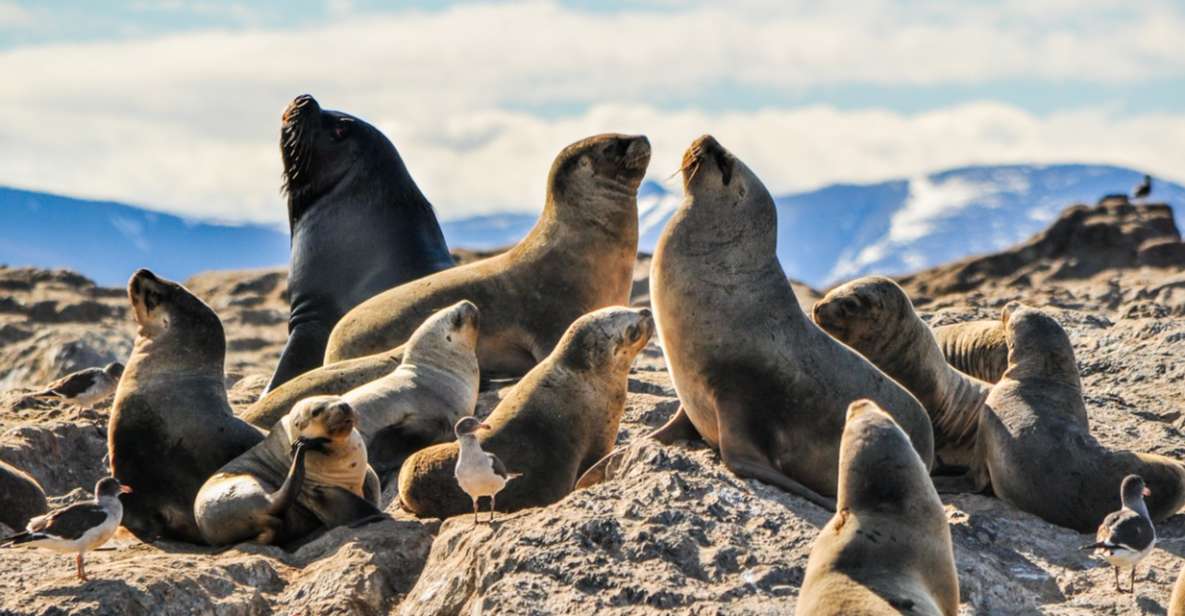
(863, 313)
(168, 314)
(322, 149)
(606, 339)
(880, 471)
(733, 208)
(322, 416)
(592, 178)
(450, 332)
(1038, 346)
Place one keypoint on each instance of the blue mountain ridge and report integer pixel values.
(824, 236)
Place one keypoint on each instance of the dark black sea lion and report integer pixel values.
(359, 224)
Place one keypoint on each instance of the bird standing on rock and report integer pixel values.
(77, 528)
(479, 473)
(1127, 535)
(85, 387)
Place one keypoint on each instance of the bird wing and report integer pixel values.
(499, 468)
(70, 522)
(1127, 529)
(74, 384)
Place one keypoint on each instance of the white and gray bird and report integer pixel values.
(85, 387)
(77, 528)
(1127, 536)
(479, 473)
(1143, 189)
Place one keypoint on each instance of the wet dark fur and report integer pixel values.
(359, 224)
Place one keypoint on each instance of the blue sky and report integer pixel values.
(176, 105)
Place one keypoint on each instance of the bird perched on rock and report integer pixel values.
(1143, 189)
(479, 473)
(1127, 535)
(85, 387)
(77, 528)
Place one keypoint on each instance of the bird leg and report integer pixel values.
(492, 500)
(475, 512)
(1132, 589)
(81, 568)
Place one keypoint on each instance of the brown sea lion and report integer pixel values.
(171, 425)
(976, 348)
(579, 257)
(1035, 443)
(874, 316)
(21, 495)
(555, 423)
(758, 381)
(888, 548)
(309, 473)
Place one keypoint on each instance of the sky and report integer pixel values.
(176, 105)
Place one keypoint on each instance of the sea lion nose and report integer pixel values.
(298, 105)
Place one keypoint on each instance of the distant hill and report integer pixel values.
(825, 235)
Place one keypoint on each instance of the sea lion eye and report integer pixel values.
(341, 130)
(634, 333)
(317, 411)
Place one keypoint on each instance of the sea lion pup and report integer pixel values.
(171, 425)
(874, 316)
(309, 473)
(22, 497)
(888, 549)
(1035, 444)
(579, 257)
(413, 405)
(975, 348)
(556, 422)
(359, 225)
(758, 381)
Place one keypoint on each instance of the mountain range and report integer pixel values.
(826, 235)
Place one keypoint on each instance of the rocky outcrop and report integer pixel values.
(1082, 242)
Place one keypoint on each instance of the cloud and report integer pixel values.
(189, 122)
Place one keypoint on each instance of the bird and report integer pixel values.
(85, 387)
(77, 528)
(479, 473)
(1143, 189)
(1127, 535)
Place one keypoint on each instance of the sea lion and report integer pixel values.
(976, 348)
(888, 548)
(758, 381)
(579, 257)
(556, 422)
(22, 496)
(359, 225)
(309, 473)
(171, 426)
(413, 405)
(875, 316)
(1177, 601)
(1035, 444)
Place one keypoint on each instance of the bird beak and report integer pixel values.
(125, 489)
(485, 426)
(1147, 492)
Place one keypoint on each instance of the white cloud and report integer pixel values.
(189, 122)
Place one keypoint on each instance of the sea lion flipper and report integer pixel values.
(677, 428)
(737, 455)
(335, 506)
(285, 496)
